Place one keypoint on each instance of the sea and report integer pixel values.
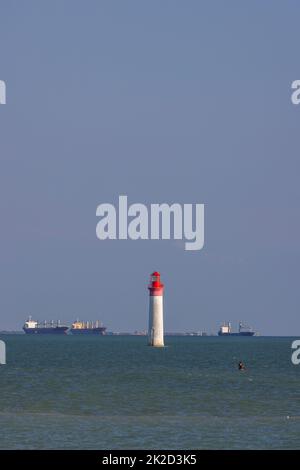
(115, 392)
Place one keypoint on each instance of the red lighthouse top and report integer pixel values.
(155, 287)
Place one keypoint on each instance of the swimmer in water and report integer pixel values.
(241, 366)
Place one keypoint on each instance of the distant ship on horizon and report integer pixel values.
(225, 330)
(88, 327)
(35, 327)
(78, 327)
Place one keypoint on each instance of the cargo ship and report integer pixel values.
(34, 327)
(225, 330)
(88, 327)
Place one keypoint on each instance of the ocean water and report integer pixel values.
(118, 393)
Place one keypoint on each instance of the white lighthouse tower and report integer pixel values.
(156, 320)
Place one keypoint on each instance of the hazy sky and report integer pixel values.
(165, 101)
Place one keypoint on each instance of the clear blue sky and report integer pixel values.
(165, 101)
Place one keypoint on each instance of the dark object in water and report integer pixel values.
(241, 366)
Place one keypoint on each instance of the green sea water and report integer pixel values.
(117, 393)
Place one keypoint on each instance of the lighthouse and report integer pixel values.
(156, 321)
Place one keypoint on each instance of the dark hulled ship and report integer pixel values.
(225, 330)
(35, 327)
(88, 327)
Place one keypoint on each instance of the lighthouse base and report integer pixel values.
(156, 345)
